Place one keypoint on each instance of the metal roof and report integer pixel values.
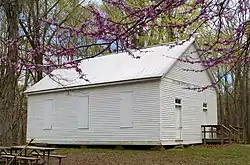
(153, 62)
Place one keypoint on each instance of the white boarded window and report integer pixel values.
(126, 109)
(82, 106)
(47, 114)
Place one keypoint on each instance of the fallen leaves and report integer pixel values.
(198, 155)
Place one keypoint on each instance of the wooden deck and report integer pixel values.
(222, 134)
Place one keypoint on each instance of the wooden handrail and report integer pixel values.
(240, 132)
(229, 133)
(233, 128)
(212, 131)
(220, 131)
(224, 127)
(215, 126)
(237, 136)
(238, 127)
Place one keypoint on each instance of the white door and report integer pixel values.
(204, 121)
(178, 122)
(204, 117)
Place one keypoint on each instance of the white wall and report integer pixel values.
(172, 86)
(104, 116)
(103, 127)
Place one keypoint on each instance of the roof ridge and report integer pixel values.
(151, 46)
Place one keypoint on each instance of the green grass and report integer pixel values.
(198, 155)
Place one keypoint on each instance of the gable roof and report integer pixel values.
(153, 62)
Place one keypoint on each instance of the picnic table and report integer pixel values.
(25, 151)
(4, 150)
(29, 154)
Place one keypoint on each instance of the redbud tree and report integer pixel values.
(225, 21)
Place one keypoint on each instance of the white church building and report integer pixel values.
(126, 100)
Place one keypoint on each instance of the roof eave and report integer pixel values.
(93, 85)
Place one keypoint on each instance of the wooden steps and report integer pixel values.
(215, 134)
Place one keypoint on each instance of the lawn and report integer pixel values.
(211, 155)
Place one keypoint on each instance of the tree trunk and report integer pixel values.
(8, 89)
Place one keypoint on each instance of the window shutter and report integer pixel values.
(83, 112)
(48, 112)
(126, 109)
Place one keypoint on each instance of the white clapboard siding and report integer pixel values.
(172, 86)
(104, 116)
(196, 78)
(135, 113)
(192, 111)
